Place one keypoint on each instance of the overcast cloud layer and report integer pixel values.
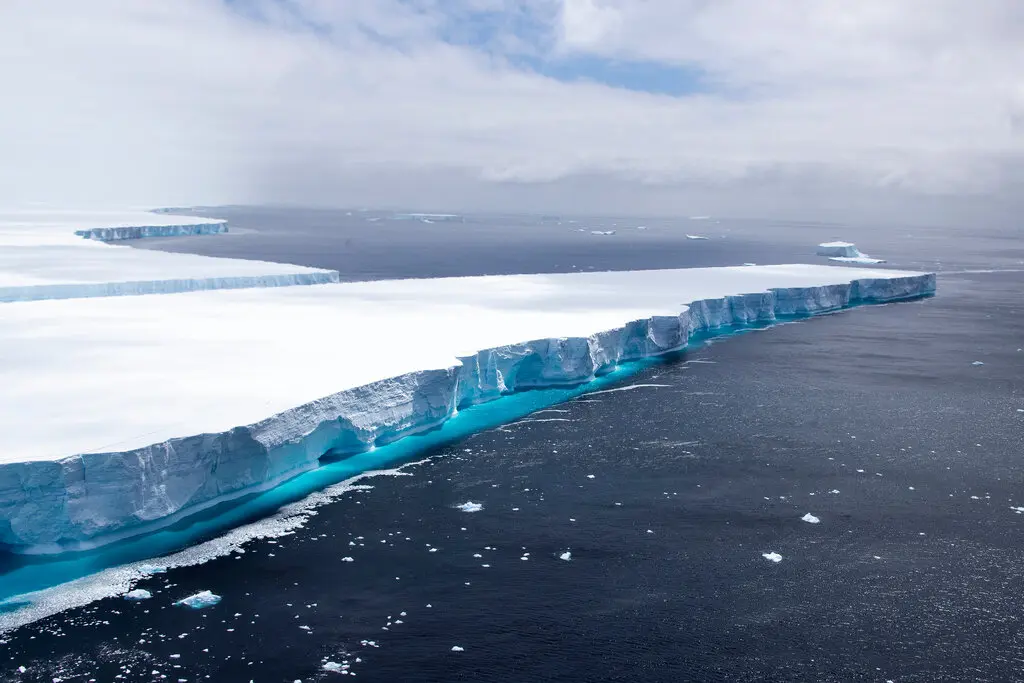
(809, 108)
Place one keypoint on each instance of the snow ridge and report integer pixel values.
(91, 499)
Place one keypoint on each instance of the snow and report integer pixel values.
(41, 257)
(121, 413)
(200, 600)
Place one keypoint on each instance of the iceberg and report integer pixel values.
(122, 414)
(200, 600)
(845, 252)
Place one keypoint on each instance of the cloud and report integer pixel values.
(208, 101)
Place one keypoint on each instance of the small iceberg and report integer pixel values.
(199, 600)
(470, 506)
(152, 569)
(565, 556)
(696, 237)
(845, 252)
(602, 232)
(138, 594)
(772, 557)
(810, 519)
(456, 648)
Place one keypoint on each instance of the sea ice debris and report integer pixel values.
(199, 600)
(138, 594)
(772, 557)
(565, 556)
(810, 519)
(470, 506)
(456, 648)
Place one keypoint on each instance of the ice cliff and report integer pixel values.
(97, 497)
(133, 232)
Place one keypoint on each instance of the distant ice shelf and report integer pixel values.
(64, 255)
(121, 414)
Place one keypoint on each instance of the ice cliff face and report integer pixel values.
(95, 498)
(141, 231)
(84, 290)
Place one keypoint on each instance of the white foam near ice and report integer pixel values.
(42, 257)
(120, 414)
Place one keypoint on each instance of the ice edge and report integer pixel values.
(92, 499)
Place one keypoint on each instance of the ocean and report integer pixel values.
(622, 531)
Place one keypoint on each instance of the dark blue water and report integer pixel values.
(666, 495)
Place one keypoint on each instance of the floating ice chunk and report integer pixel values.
(334, 667)
(348, 559)
(456, 648)
(1019, 511)
(772, 557)
(810, 519)
(696, 237)
(590, 476)
(602, 232)
(845, 252)
(199, 600)
(470, 506)
(138, 594)
(565, 556)
(152, 569)
(977, 362)
(840, 249)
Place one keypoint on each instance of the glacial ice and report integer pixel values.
(122, 414)
(200, 600)
(846, 252)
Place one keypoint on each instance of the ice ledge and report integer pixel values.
(142, 287)
(94, 498)
(134, 232)
(43, 256)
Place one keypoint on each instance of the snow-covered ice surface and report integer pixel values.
(42, 257)
(121, 413)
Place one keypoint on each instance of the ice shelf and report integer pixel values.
(121, 413)
(59, 255)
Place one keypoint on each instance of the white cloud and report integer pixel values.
(201, 101)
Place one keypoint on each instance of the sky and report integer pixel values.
(909, 110)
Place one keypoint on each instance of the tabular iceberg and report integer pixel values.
(121, 414)
(846, 252)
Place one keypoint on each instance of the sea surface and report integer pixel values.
(621, 533)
